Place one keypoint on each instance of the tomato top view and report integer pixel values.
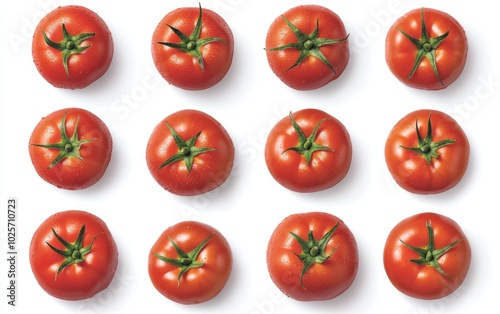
(190, 262)
(73, 255)
(312, 256)
(72, 47)
(427, 256)
(427, 152)
(308, 151)
(307, 47)
(426, 49)
(71, 148)
(192, 48)
(190, 153)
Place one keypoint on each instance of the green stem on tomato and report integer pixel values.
(426, 147)
(306, 145)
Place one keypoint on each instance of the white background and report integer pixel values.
(132, 98)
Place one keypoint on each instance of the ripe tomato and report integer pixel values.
(192, 48)
(190, 153)
(71, 148)
(426, 49)
(307, 47)
(72, 47)
(427, 152)
(73, 255)
(427, 256)
(190, 262)
(312, 256)
(308, 151)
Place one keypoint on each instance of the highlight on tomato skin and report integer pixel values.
(73, 255)
(427, 152)
(72, 47)
(426, 49)
(427, 256)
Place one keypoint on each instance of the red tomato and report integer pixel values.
(308, 151)
(72, 47)
(73, 255)
(427, 256)
(190, 262)
(307, 47)
(71, 148)
(426, 49)
(312, 256)
(190, 153)
(192, 48)
(427, 152)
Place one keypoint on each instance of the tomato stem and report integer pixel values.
(69, 147)
(185, 261)
(187, 150)
(313, 251)
(69, 46)
(426, 48)
(429, 255)
(73, 253)
(306, 146)
(308, 45)
(191, 44)
(426, 147)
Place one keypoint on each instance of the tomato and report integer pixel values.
(73, 255)
(427, 152)
(312, 256)
(427, 256)
(307, 47)
(190, 262)
(72, 47)
(426, 49)
(192, 48)
(190, 153)
(308, 151)
(71, 148)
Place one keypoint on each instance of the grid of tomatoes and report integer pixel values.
(310, 256)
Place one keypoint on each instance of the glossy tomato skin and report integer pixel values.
(197, 285)
(322, 281)
(326, 167)
(210, 169)
(85, 67)
(77, 281)
(410, 170)
(71, 173)
(423, 281)
(451, 54)
(182, 69)
(312, 73)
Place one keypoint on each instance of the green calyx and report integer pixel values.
(426, 147)
(313, 251)
(430, 255)
(74, 253)
(68, 146)
(308, 45)
(185, 261)
(70, 45)
(306, 146)
(191, 44)
(426, 48)
(187, 151)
